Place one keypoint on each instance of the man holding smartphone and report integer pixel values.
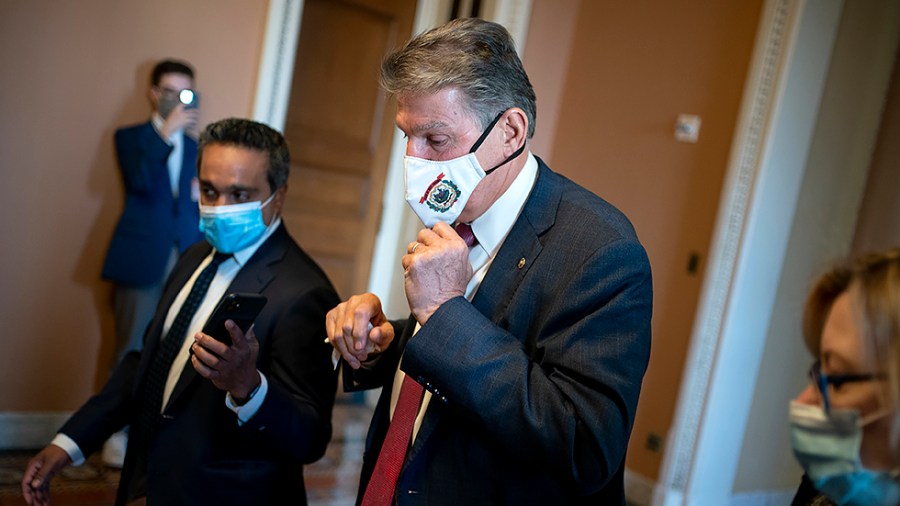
(213, 423)
(159, 221)
(157, 160)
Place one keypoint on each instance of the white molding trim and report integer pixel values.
(638, 489)
(512, 14)
(759, 92)
(28, 431)
(276, 66)
(747, 252)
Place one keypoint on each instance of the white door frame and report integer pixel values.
(270, 106)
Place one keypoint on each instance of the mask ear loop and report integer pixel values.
(484, 136)
(873, 417)
(270, 199)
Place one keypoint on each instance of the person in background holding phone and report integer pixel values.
(157, 160)
(159, 221)
(213, 423)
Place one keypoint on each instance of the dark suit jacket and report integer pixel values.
(152, 222)
(199, 454)
(536, 381)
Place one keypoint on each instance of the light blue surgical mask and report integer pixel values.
(234, 227)
(827, 447)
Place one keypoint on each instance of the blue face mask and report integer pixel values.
(827, 447)
(233, 228)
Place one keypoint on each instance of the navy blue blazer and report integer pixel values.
(199, 455)
(152, 222)
(535, 383)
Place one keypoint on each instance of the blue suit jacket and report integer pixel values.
(199, 455)
(535, 382)
(152, 222)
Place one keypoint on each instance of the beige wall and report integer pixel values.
(73, 72)
(633, 67)
(879, 226)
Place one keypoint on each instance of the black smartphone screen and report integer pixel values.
(241, 308)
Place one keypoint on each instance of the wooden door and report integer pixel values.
(339, 128)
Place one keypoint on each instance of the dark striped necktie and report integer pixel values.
(169, 347)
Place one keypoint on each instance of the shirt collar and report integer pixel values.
(492, 227)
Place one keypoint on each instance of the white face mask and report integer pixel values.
(438, 191)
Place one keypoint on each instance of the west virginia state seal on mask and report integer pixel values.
(441, 194)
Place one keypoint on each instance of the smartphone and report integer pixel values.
(190, 99)
(241, 308)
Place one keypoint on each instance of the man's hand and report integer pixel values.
(435, 270)
(230, 368)
(357, 327)
(179, 119)
(40, 470)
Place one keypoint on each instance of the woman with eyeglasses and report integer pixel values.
(845, 425)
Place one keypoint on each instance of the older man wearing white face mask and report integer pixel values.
(516, 378)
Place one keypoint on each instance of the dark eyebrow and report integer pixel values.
(428, 126)
(229, 189)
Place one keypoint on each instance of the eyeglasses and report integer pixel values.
(821, 381)
(168, 93)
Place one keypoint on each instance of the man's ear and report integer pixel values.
(153, 96)
(515, 130)
(278, 202)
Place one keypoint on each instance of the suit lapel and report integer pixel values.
(520, 249)
(180, 275)
(507, 270)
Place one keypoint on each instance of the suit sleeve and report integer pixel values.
(562, 397)
(108, 411)
(379, 369)
(295, 416)
(143, 156)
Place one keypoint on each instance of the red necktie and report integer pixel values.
(383, 482)
(465, 231)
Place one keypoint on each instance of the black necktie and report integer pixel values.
(168, 349)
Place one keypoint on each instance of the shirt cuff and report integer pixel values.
(69, 446)
(246, 411)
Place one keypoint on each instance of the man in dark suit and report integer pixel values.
(213, 423)
(523, 358)
(157, 160)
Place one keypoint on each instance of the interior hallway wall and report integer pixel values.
(72, 73)
(633, 67)
(878, 226)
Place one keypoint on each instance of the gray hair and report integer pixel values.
(477, 57)
(250, 134)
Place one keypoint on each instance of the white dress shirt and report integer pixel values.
(490, 229)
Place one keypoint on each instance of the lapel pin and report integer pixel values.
(521, 262)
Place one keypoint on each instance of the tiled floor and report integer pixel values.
(332, 481)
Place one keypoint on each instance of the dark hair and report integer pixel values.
(475, 56)
(170, 67)
(250, 134)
